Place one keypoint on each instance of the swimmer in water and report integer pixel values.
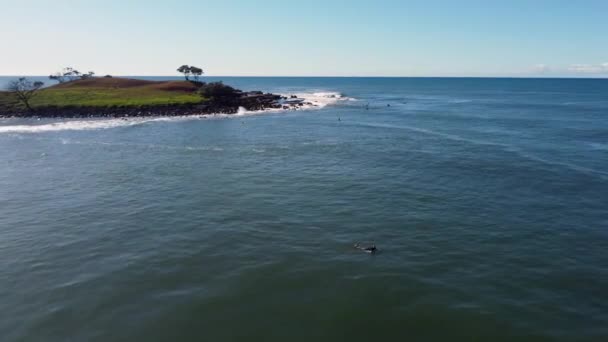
(369, 249)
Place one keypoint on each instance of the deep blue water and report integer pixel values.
(488, 199)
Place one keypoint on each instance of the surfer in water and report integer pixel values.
(369, 249)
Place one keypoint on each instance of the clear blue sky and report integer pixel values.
(341, 38)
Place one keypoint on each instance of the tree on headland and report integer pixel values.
(184, 69)
(196, 72)
(24, 90)
(89, 74)
(188, 70)
(66, 75)
(69, 74)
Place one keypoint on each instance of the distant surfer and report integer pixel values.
(369, 249)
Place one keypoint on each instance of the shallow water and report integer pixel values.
(487, 198)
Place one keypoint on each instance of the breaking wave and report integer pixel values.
(71, 125)
(323, 99)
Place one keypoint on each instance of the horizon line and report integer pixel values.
(343, 76)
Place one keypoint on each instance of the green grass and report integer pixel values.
(102, 93)
(7, 100)
(99, 97)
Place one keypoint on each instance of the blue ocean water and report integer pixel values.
(488, 200)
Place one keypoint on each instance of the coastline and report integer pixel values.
(252, 101)
(78, 119)
(120, 98)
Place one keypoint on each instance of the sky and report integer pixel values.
(514, 38)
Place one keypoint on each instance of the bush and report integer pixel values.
(218, 91)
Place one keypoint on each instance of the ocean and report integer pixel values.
(487, 199)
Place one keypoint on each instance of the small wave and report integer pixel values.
(85, 125)
(598, 146)
(94, 124)
(438, 99)
(72, 125)
(65, 141)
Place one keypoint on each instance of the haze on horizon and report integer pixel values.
(516, 38)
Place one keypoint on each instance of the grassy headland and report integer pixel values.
(102, 92)
(125, 97)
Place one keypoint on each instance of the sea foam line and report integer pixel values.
(504, 147)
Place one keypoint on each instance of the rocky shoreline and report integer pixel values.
(250, 101)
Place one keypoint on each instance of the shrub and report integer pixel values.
(218, 91)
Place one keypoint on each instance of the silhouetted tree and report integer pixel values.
(24, 90)
(188, 70)
(196, 72)
(185, 69)
(57, 77)
(70, 74)
(89, 74)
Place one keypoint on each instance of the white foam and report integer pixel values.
(323, 99)
(71, 125)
